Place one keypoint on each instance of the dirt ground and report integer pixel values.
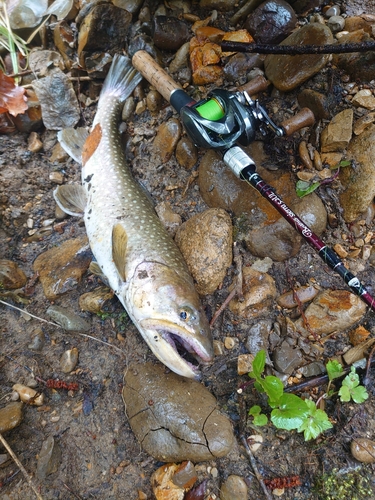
(100, 457)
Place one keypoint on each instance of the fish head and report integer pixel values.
(166, 309)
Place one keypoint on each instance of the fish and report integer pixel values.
(133, 251)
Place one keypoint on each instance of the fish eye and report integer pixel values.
(186, 314)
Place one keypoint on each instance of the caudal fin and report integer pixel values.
(121, 79)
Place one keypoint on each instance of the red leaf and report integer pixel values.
(12, 98)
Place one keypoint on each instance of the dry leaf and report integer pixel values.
(12, 97)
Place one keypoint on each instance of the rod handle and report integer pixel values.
(154, 74)
(304, 118)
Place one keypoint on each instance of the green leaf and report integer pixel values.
(258, 364)
(258, 386)
(359, 394)
(274, 389)
(255, 410)
(315, 422)
(260, 420)
(344, 394)
(334, 369)
(304, 188)
(291, 412)
(352, 379)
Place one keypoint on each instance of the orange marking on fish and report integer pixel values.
(91, 143)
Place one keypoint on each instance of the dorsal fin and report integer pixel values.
(94, 268)
(119, 247)
(72, 141)
(71, 198)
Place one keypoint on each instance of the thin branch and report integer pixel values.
(293, 50)
(20, 466)
(253, 463)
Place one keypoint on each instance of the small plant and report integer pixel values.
(343, 485)
(289, 412)
(350, 388)
(303, 188)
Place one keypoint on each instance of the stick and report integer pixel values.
(20, 466)
(255, 469)
(293, 50)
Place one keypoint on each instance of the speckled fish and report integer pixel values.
(140, 261)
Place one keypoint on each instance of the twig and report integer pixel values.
(368, 365)
(237, 290)
(293, 50)
(72, 492)
(255, 469)
(20, 466)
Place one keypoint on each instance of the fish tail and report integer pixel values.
(121, 79)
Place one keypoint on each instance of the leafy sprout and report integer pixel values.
(9, 40)
(303, 188)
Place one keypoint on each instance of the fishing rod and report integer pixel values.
(226, 119)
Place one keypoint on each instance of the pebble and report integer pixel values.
(169, 33)
(166, 139)
(68, 319)
(334, 10)
(69, 360)
(313, 369)
(316, 101)
(49, 458)
(34, 144)
(56, 177)
(259, 292)
(359, 182)
(365, 99)
(303, 293)
(230, 342)
(61, 268)
(360, 66)
(181, 412)
(169, 218)
(255, 442)
(242, 64)
(363, 450)
(11, 276)
(58, 101)
(154, 101)
(337, 134)
(362, 123)
(94, 301)
(181, 58)
(205, 241)
(271, 22)
(288, 72)
(27, 395)
(330, 311)
(10, 416)
(186, 153)
(258, 336)
(233, 488)
(37, 340)
(304, 155)
(58, 155)
(171, 481)
(336, 23)
(245, 363)
(287, 358)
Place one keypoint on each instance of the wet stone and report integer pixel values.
(337, 134)
(61, 268)
(365, 99)
(11, 276)
(313, 369)
(259, 292)
(358, 65)
(234, 488)
(10, 416)
(49, 458)
(257, 339)
(241, 64)
(303, 293)
(169, 33)
(287, 358)
(175, 419)
(167, 138)
(186, 153)
(359, 181)
(68, 319)
(69, 360)
(271, 22)
(60, 108)
(37, 340)
(170, 219)
(205, 241)
(330, 311)
(29, 395)
(104, 29)
(363, 450)
(288, 72)
(317, 102)
(336, 23)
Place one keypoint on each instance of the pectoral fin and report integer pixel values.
(72, 141)
(71, 198)
(119, 247)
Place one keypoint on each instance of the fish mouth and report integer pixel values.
(188, 352)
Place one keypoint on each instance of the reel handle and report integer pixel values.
(304, 118)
